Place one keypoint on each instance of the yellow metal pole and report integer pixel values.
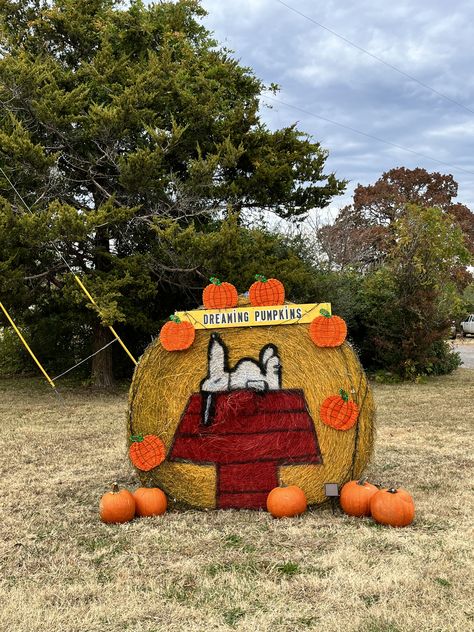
(86, 292)
(78, 280)
(18, 332)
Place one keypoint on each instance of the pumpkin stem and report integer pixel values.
(362, 481)
(175, 318)
(215, 281)
(344, 395)
(392, 490)
(261, 278)
(136, 438)
(325, 313)
(115, 488)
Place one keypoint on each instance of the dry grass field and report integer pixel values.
(62, 570)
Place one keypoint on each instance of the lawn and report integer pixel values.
(63, 570)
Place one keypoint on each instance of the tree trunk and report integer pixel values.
(102, 363)
(102, 372)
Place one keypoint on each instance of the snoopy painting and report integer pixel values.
(245, 423)
(262, 375)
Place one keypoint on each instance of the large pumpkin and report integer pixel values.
(286, 502)
(393, 507)
(355, 497)
(230, 448)
(149, 501)
(117, 505)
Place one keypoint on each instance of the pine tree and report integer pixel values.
(114, 119)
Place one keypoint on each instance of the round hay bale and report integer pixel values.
(229, 442)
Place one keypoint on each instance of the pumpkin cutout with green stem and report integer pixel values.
(393, 507)
(327, 330)
(177, 335)
(219, 295)
(146, 452)
(355, 497)
(338, 412)
(266, 291)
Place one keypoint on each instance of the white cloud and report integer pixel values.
(454, 131)
(320, 73)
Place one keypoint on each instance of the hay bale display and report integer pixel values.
(259, 399)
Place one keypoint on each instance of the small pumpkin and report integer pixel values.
(286, 502)
(338, 412)
(117, 506)
(266, 291)
(355, 497)
(394, 507)
(149, 501)
(219, 295)
(147, 452)
(327, 330)
(177, 335)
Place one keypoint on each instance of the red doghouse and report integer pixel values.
(248, 435)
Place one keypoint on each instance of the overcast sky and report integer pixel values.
(323, 75)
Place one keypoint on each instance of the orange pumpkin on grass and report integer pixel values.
(355, 497)
(177, 335)
(147, 452)
(286, 502)
(266, 291)
(327, 330)
(219, 295)
(149, 501)
(117, 506)
(338, 412)
(393, 507)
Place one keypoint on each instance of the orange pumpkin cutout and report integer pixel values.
(327, 330)
(149, 501)
(286, 502)
(338, 412)
(355, 497)
(219, 295)
(117, 506)
(147, 452)
(266, 291)
(394, 507)
(177, 335)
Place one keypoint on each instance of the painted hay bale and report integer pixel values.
(247, 408)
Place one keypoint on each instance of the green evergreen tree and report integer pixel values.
(113, 121)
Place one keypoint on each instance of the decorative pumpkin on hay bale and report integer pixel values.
(239, 412)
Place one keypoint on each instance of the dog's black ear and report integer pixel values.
(267, 352)
(216, 356)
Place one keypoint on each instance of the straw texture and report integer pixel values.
(164, 382)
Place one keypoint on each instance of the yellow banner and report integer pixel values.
(291, 314)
